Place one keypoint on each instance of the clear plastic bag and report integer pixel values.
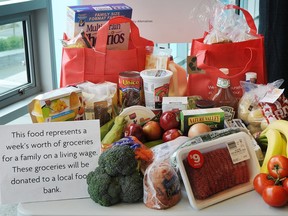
(249, 110)
(162, 188)
(100, 100)
(157, 57)
(79, 41)
(222, 25)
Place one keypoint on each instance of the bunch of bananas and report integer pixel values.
(276, 137)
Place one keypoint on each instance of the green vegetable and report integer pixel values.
(116, 131)
(116, 179)
(131, 188)
(106, 128)
(118, 161)
(153, 143)
(102, 188)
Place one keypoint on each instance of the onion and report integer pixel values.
(197, 129)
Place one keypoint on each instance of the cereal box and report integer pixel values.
(90, 18)
(63, 104)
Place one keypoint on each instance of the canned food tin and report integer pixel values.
(130, 89)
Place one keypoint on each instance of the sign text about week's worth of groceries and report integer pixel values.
(47, 161)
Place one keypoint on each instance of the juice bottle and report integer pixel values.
(224, 97)
(178, 82)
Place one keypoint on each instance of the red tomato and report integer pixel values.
(171, 134)
(278, 166)
(169, 120)
(275, 195)
(261, 181)
(285, 184)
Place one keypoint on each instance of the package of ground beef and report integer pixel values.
(219, 169)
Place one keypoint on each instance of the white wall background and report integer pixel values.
(168, 20)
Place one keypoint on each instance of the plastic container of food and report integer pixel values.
(217, 170)
(156, 86)
(137, 114)
(63, 104)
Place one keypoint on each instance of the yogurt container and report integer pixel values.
(156, 86)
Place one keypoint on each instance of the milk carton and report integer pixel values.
(91, 17)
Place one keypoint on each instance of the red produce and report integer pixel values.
(152, 130)
(261, 181)
(171, 134)
(136, 130)
(169, 120)
(275, 195)
(278, 166)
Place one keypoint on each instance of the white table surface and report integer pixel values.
(249, 203)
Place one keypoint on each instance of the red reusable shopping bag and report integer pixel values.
(99, 64)
(238, 57)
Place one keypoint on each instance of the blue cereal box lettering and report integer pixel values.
(90, 18)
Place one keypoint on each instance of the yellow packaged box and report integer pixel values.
(63, 104)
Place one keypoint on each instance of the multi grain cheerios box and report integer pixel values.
(63, 104)
(90, 18)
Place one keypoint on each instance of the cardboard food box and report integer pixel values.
(174, 103)
(213, 117)
(63, 104)
(91, 17)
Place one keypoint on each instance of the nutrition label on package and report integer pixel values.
(238, 150)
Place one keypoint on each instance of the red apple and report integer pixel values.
(171, 134)
(136, 130)
(152, 130)
(169, 120)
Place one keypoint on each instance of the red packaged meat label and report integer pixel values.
(195, 159)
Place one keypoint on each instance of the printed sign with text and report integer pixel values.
(47, 161)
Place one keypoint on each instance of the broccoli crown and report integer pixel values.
(103, 188)
(131, 187)
(118, 160)
(116, 178)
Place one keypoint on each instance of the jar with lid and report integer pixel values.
(224, 97)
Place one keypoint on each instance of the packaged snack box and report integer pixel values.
(63, 104)
(90, 18)
(174, 103)
(213, 117)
